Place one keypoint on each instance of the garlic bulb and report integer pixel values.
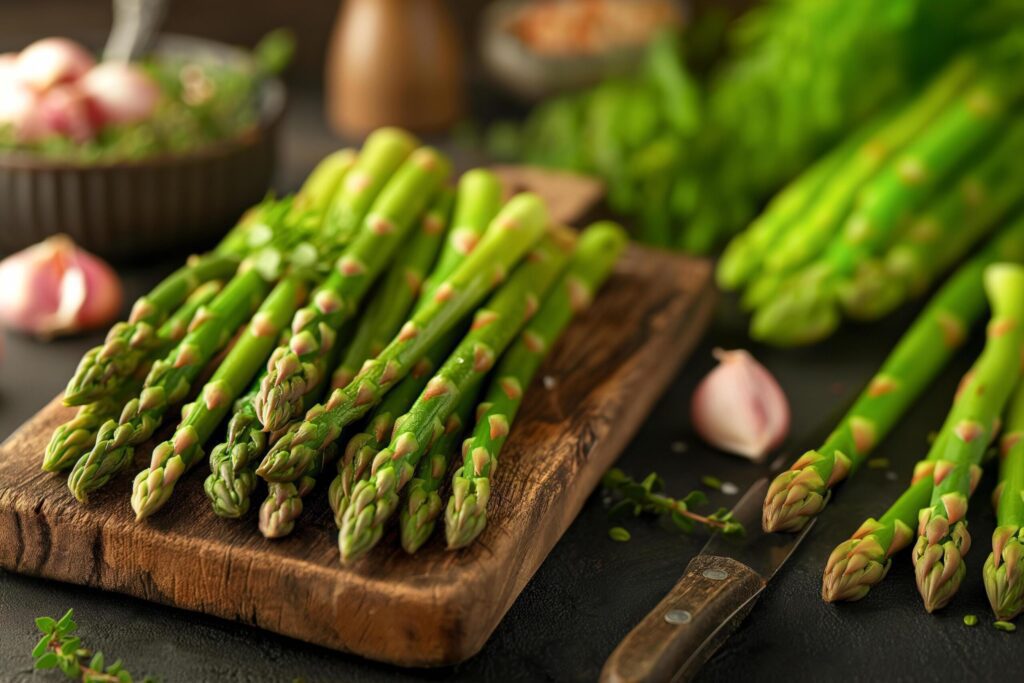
(739, 407)
(50, 61)
(122, 93)
(56, 288)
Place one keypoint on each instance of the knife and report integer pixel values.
(717, 591)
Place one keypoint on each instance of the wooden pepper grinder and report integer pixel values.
(393, 62)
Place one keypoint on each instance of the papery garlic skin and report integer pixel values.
(739, 407)
(54, 288)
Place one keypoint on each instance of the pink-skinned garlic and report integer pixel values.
(55, 288)
(50, 61)
(739, 407)
(121, 93)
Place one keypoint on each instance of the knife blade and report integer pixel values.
(716, 592)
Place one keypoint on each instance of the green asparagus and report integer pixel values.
(294, 369)
(77, 436)
(943, 538)
(421, 500)
(1004, 581)
(802, 491)
(323, 183)
(744, 255)
(232, 480)
(361, 448)
(805, 307)
(168, 382)
(393, 298)
(494, 327)
(862, 561)
(104, 369)
(513, 231)
(477, 201)
(466, 514)
(810, 236)
(940, 237)
(171, 459)
(383, 153)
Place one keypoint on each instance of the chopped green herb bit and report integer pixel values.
(1004, 626)
(617, 533)
(711, 482)
(970, 620)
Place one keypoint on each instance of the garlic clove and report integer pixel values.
(56, 288)
(50, 61)
(739, 407)
(122, 93)
(19, 108)
(65, 110)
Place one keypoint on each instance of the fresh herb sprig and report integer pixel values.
(632, 498)
(60, 648)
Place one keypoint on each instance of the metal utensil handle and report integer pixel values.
(688, 625)
(136, 23)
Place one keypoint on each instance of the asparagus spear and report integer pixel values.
(323, 183)
(744, 255)
(421, 499)
(862, 561)
(478, 199)
(283, 504)
(802, 491)
(361, 448)
(805, 308)
(809, 237)
(170, 459)
(383, 153)
(104, 369)
(294, 369)
(494, 327)
(516, 227)
(232, 480)
(391, 302)
(1004, 581)
(943, 538)
(78, 435)
(951, 227)
(466, 514)
(168, 382)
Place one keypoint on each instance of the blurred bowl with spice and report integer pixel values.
(536, 48)
(132, 160)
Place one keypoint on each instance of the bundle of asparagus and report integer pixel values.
(882, 216)
(944, 480)
(802, 491)
(379, 269)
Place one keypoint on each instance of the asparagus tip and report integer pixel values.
(1004, 580)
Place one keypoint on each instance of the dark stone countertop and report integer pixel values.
(590, 591)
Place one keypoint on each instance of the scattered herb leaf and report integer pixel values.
(60, 649)
(617, 533)
(711, 482)
(1004, 626)
(970, 620)
(632, 498)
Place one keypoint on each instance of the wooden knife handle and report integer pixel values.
(688, 625)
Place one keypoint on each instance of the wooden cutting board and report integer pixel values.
(434, 608)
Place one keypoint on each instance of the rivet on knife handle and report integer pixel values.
(688, 625)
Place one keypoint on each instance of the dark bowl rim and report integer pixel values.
(273, 97)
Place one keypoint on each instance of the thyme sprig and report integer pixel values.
(632, 498)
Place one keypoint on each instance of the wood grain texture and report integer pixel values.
(688, 625)
(434, 608)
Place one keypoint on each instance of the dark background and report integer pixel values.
(590, 591)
